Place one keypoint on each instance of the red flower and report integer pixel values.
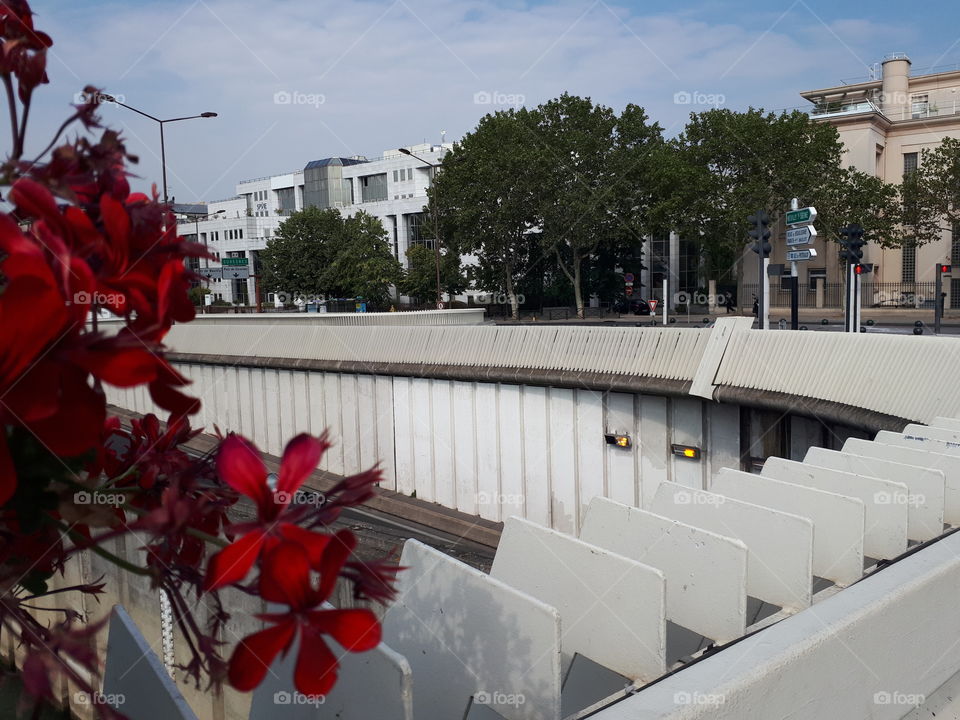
(239, 466)
(286, 579)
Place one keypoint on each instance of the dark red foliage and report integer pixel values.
(76, 242)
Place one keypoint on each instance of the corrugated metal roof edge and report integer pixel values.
(568, 379)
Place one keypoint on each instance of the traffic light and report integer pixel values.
(858, 269)
(853, 243)
(944, 269)
(760, 233)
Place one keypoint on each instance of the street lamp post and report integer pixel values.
(436, 240)
(163, 150)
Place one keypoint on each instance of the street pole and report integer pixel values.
(794, 283)
(665, 288)
(436, 222)
(163, 149)
(163, 161)
(938, 300)
(765, 268)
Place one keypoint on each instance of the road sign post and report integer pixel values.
(800, 232)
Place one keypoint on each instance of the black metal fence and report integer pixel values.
(918, 295)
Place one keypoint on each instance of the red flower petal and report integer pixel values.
(313, 542)
(232, 564)
(239, 466)
(316, 670)
(336, 554)
(356, 630)
(254, 654)
(300, 458)
(285, 576)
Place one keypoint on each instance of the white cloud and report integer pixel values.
(395, 73)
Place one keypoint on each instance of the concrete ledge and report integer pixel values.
(875, 650)
(825, 410)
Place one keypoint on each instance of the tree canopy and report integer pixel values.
(317, 252)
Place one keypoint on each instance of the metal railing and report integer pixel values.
(910, 295)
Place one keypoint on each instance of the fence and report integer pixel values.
(917, 295)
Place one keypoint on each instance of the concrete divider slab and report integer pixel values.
(468, 635)
(913, 455)
(946, 422)
(135, 682)
(706, 573)
(870, 651)
(885, 520)
(925, 488)
(375, 684)
(837, 519)
(935, 433)
(779, 545)
(611, 607)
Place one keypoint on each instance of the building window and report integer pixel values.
(813, 274)
(418, 232)
(910, 162)
(908, 272)
(395, 172)
(920, 106)
(955, 262)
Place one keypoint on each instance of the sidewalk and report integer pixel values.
(808, 316)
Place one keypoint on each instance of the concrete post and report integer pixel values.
(712, 297)
(819, 291)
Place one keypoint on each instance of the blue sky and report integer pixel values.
(296, 80)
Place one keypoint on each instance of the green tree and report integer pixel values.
(594, 194)
(420, 279)
(931, 193)
(486, 191)
(851, 196)
(298, 255)
(726, 165)
(363, 264)
(320, 253)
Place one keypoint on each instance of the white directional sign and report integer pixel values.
(801, 235)
(795, 255)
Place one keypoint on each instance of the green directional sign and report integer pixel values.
(234, 261)
(801, 216)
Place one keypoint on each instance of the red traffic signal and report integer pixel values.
(944, 269)
(858, 269)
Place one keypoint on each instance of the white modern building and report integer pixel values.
(392, 188)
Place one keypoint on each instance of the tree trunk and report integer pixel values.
(514, 305)
(577, 292)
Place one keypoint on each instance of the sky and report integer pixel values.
(298, 80)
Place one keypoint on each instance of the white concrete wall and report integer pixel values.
(483, 448)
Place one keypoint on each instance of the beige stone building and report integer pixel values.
(885, 122)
